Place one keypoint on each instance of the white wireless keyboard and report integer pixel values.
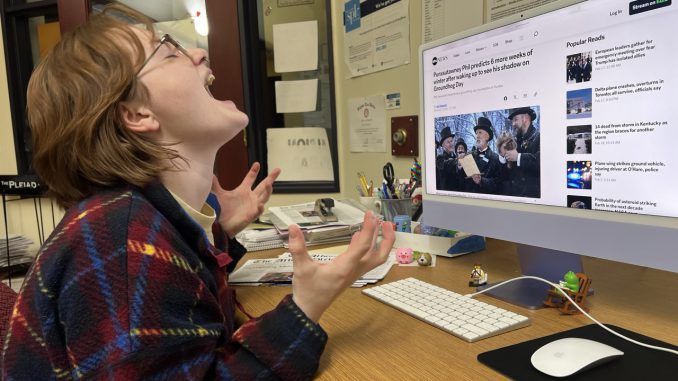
(464, 317)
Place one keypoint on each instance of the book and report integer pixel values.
(14, 250)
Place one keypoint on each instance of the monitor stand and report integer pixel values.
(536, 261)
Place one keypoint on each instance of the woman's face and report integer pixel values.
(179, 98)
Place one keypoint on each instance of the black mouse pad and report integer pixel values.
(638, 363)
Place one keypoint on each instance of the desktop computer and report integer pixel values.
(562, 123)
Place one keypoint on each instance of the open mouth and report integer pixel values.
(208, 83)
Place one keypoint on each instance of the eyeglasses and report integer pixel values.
(165, 38)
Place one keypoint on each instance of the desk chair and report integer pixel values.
(557, 300)
(7, 299)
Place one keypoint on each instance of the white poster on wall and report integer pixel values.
(376, 35)
(302, 153)
(367, 123)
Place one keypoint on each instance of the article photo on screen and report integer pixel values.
(579, 67)
(579, 140)
(579, 104)
(579, 202)
(479, 152)
(579, 174)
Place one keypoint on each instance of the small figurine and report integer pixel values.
(478, 276)
(570, 281)
(404, 255)
(576, 286)
(425, 259)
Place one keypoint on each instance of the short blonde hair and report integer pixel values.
(80, 140)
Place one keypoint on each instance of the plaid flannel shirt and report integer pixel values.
(128, 287)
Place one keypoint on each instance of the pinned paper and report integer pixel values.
(302, 153)
(295, 46)
(367, 124)
(296, 96)
(469, 165)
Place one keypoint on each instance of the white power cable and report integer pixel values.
(578, 307)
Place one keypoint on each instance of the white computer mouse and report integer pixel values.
(565, 357)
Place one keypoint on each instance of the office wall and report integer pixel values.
(403, 79)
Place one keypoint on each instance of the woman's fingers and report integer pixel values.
(297, 245)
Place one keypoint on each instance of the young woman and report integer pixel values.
(132, 284)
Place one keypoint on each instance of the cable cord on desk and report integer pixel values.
(578, 307)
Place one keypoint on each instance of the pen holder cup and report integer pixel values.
(397, 206)
(371, 203)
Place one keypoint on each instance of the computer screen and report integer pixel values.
(557, 128)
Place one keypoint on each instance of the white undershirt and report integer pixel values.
(205, 217)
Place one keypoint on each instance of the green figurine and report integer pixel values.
(570, 281)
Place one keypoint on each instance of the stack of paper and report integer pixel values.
(349, 220)
(14, 251)
(279, 270)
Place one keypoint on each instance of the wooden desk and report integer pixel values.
(371, 341)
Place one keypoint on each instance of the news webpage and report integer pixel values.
(575, 108)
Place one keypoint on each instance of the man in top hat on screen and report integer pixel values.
(460, 148)
(456, 180)
(446, 161)
(523, 177)
(486, 160)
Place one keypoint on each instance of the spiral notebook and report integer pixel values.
(263, 245)
(257, 240)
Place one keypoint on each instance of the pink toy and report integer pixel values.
(404, 255)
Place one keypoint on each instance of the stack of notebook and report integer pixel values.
(261, 239)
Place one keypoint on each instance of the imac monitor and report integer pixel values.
(557, 128)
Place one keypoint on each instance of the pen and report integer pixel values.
(385, 191)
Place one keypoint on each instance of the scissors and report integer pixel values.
(388, 176)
